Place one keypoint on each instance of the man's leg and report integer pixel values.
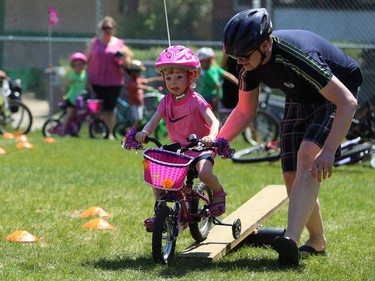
(304, 209)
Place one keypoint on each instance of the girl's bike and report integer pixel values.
(15, 116)
(182, 204)
(125, 119)
(86, 109)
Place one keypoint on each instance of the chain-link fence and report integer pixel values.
(29, 44)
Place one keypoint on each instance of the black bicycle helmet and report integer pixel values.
(246, 31)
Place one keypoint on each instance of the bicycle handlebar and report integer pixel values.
(222, 146)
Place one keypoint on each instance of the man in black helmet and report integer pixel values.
(320, 83)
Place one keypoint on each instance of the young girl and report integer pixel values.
(74, 87)
(186, 112)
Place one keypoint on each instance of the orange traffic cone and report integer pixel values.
(49, 140)
(99, 224)
(93, 211)
(21, 236)
(8, 136)
(2, 151)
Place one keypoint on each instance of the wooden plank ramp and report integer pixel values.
(252, 213)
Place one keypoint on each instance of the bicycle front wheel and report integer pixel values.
(163, 238)
(199, 230)
(258, 153)
(264, 128)
(98, 129)
(20, 119)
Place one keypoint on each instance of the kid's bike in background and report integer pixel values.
(183, 203)
(360, 144)
(125, 119)
(87, 109)
(15, 116)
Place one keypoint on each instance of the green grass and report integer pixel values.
(44, 189)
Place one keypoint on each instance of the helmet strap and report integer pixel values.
(262, 58)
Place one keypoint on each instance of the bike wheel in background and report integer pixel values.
(264, 128)
(20, 120)
(354, 153)
(98, 129)
(51, 127)
(161, 130)
(120, 129)
(163, 238)
(264, 152)
(151, 101)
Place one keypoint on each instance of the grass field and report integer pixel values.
(44, 189)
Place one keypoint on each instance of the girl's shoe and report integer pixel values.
(218, 206)
(149, 224)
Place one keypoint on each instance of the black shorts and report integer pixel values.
(310, 121)
(108, 94)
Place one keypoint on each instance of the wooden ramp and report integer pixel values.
(252, 213)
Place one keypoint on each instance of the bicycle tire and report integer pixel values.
(51, 127)
(199, 230)
(98, 129)
(120, 129)
(150, 103)
(163, 238)
(258, 153)
(354, 153)
(264, 128)
(20, 121)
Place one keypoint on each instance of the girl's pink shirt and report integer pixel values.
(184, 118)
(104, 67)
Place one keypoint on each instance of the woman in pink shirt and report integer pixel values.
(186, 112)
(107, 55)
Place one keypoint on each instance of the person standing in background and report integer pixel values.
(107, 56)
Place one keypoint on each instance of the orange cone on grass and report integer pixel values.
(2, 151)
(99, 224)
(8, 136)
(95, 211)
(21, 236)
(49, 140)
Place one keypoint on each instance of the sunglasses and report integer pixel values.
(107, 27)
(246, 57)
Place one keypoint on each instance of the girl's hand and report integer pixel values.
(141, 136)
(208, 140)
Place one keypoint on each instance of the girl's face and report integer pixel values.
(78, 65)
(176, 80)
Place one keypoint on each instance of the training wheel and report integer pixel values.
(236, 228)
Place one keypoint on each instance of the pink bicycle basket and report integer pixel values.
(165, 169)
(94, 105)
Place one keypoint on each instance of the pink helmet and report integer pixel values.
(178, 56)
(78, 56)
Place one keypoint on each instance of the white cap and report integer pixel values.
(205, 53)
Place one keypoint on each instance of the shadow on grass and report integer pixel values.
(180, 267)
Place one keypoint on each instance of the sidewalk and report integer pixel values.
(39, 110)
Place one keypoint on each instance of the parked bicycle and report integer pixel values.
(182, 204)
(359, 146)
(88, 109)
(125, 119)
(265, 126)
(15, 116)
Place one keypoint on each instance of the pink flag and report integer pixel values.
(53, 16)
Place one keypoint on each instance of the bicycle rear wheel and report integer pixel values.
(264, 128)
(20, 119)
(163, 238)
(98, 129)
(259, 153)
